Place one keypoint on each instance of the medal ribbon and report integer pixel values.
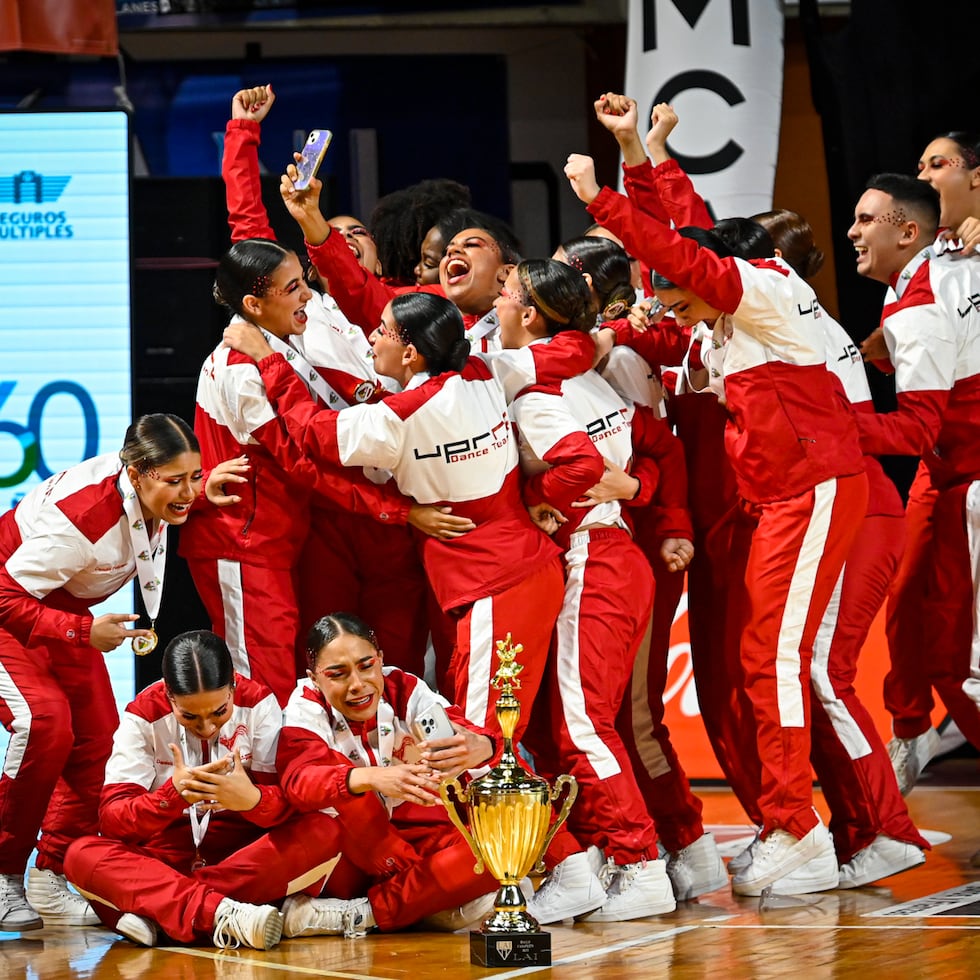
(319, 387)
(199, 824)
(355, 750)
(150, 556)
(312, 378)
(483, 328)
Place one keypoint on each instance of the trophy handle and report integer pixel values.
(460, 794)
(572, 785)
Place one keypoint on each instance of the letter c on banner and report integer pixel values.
(713, 82)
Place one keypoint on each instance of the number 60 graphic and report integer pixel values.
(29, 436)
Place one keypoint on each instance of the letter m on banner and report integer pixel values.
(720, 64)
(691, 11)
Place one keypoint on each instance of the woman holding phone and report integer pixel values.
(372, 565)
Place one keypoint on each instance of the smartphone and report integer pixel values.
(433, 723)
(312, 156)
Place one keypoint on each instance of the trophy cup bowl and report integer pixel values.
(508, 827)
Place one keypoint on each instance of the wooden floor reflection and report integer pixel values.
(812, 938)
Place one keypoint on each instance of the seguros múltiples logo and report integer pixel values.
(26, 190)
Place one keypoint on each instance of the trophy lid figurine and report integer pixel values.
(508, 828)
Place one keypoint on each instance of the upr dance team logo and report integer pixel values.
(31, 188)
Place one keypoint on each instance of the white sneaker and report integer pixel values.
(636, 891)
(884, 856)
(572, 888)
(909, 757)
(305, 916)
(462, 917)
(16, 913)
(238, 924)
(696, 869)
(141, 931)
(471, 914)
(819, 874)
(744, 857)
(780, 853)
(57, 903)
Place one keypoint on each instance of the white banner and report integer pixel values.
(719, 63)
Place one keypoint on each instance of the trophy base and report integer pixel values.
(495, 949)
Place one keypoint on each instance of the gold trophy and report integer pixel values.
(508, 815)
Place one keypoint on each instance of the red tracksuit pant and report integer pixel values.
(57, 703)
(528, 612)
(255, 611)
(604, 617)
(850, 759)
(952, 608)
(676, 811)
(355, 564)
(432, 867)
(797, 553)
(245, 863)
(908, 693)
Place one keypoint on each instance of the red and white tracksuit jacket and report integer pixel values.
(793, 446)
(146, 861)
(432, 865)
(374, 571)
(566, 434)
(448, 440)
(66, 547)
(243, 557)
(931, 324)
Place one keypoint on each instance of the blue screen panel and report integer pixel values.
(65, 385)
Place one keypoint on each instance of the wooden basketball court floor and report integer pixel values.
(830, 935)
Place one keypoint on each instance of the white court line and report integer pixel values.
(601, 951)
(839, 928)
(265, 964)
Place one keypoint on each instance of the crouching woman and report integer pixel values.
(197, 837)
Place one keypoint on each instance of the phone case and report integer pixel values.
(434, 723)
(312, 157)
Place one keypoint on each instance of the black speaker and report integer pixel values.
(180, 230)
(177, 217)
(176, 322)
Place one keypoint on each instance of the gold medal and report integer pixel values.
(142, 645)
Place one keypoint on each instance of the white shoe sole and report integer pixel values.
(137, 929)
(817, 875)
(28, 926)
(914, 859)
(698, 889)
(802, 854)
(577, 911)
(643, 912)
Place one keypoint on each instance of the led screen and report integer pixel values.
(65, 387)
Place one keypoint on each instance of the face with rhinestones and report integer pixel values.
(205, 712)
(473, 270)
(943, 164)
(348, 674)
(880, 235)
(278, 302)
(167, 491)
